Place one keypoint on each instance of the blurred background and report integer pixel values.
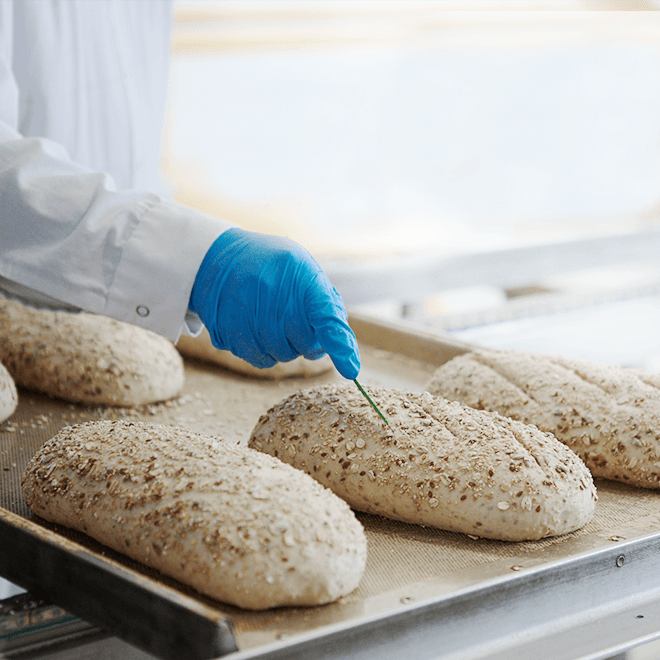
(487, 170)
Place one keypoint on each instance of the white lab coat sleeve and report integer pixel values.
(166, 247)
(68, 233)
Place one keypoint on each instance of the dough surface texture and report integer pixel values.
(608, 415)
(202, 348)
(87, 358)
(438, 463)
(237, 525)
(8, 395)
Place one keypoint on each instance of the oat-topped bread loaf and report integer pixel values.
(438, 463)
(237, 525)
(608, 415)
(202, 348)
(86, 358)
(8, 395)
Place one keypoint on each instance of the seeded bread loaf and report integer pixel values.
(202, 348)
(438, 463)
(86, 358)
(8, 395)
(609, 416)
(239, 526)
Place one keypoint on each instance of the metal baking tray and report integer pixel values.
(434, 594)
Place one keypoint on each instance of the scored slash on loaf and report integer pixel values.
(439, 463)
(235, 524)
(86, 358)
(608, 415)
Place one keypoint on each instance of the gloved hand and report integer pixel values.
(266, 300)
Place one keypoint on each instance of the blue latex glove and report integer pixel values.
(266, 300)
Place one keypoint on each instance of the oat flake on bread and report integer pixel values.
(608, 415)
(235, 524)
(87, 358)
(438, 463)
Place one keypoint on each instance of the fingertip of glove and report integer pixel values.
(348, 370)
(346, 357)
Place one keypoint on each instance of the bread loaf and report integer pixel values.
(607, 415)
(8, 395)
(239, 526)
(202, 348)
(438, 463)
(86, 358)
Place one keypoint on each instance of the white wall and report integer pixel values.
(378, 149)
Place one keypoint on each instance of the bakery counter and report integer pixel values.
(425, 592)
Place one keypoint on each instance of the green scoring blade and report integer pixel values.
(373, 405)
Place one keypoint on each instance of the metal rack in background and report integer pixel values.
(410, 278)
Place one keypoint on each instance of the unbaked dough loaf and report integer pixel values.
(87, 358)
(438, 463)
(239, 526)
(607, 415)
(202, 348)
(8, 395)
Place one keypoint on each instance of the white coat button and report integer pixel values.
(142, 310)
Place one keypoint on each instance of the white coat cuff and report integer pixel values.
(152, 284)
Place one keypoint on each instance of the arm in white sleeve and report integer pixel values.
(67, 232)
